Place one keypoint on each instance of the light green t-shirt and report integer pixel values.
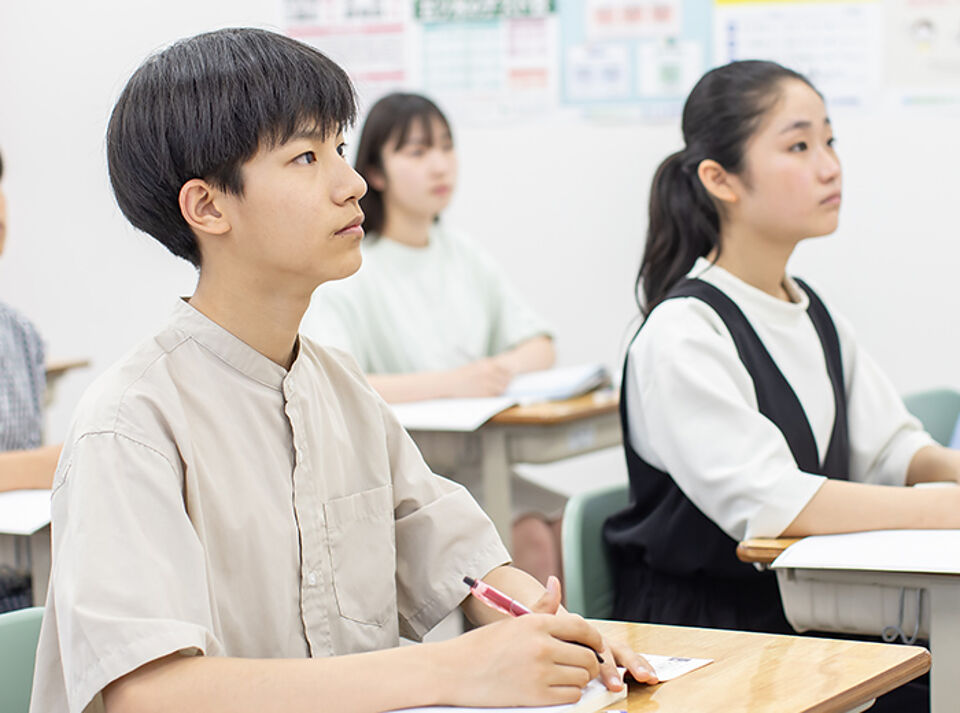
(420, 309)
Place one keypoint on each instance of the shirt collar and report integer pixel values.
(754, 298)
(189, 322)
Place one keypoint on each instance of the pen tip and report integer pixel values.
(469, 581)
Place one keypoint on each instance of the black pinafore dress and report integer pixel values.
(672, 564)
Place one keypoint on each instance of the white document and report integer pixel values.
(23, 512)
(668, 667)
(924, 551)
(594, 697)
(450, 414)
(557, 384)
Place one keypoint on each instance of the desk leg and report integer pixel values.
(495, 471)
(944, 647)
(40, 565)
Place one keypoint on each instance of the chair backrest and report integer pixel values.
(19, 632)
(938, 410)
(586, 564)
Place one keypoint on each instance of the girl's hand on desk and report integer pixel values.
(526, 661)
(484, 377)
(613, 654)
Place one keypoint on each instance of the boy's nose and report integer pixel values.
(354, 187)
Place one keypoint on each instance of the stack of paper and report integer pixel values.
(557, 384)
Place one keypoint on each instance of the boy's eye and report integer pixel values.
(306, 158)
(341, 149)
(799, 146)
(832, 142)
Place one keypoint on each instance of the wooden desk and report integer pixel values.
(56, 370)
(763, 550)
(766, 673)
(540, 433)
(939, 615)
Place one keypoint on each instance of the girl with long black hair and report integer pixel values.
(748, 408)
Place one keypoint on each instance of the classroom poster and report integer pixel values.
(837, 44)
(370, 38)
(633, 58)
(490, 61)
(489, 58)
(923, 51)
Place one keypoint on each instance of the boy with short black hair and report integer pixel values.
(236, 509)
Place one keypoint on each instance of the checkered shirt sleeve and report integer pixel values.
(22, 382)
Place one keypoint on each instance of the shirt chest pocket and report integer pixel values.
(361, 536)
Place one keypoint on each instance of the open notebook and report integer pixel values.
(468, 414)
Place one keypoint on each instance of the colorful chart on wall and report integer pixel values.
(633, 58)
(487, 61)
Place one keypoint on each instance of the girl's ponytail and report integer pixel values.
(684, 225)
(719, 117)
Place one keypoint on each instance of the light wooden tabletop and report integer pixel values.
(765, 673)
(550, 412)
(763, 550)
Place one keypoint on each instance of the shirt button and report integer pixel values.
(312, 579)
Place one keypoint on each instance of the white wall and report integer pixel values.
(562, 205)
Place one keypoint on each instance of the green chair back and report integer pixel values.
(937, 410)
(19, 632)
(586, 564)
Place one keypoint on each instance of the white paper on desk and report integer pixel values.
(594, 697)
(23, 512)
(557, 384)
(450, 414)
(668, 667)
(926, 551)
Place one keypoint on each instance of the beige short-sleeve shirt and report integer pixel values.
(209, 500)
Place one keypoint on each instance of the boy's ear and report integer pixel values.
(376, 180)
(716, 180)
(199, 208)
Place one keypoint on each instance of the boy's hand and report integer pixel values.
(613, 654)
(526, 661)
